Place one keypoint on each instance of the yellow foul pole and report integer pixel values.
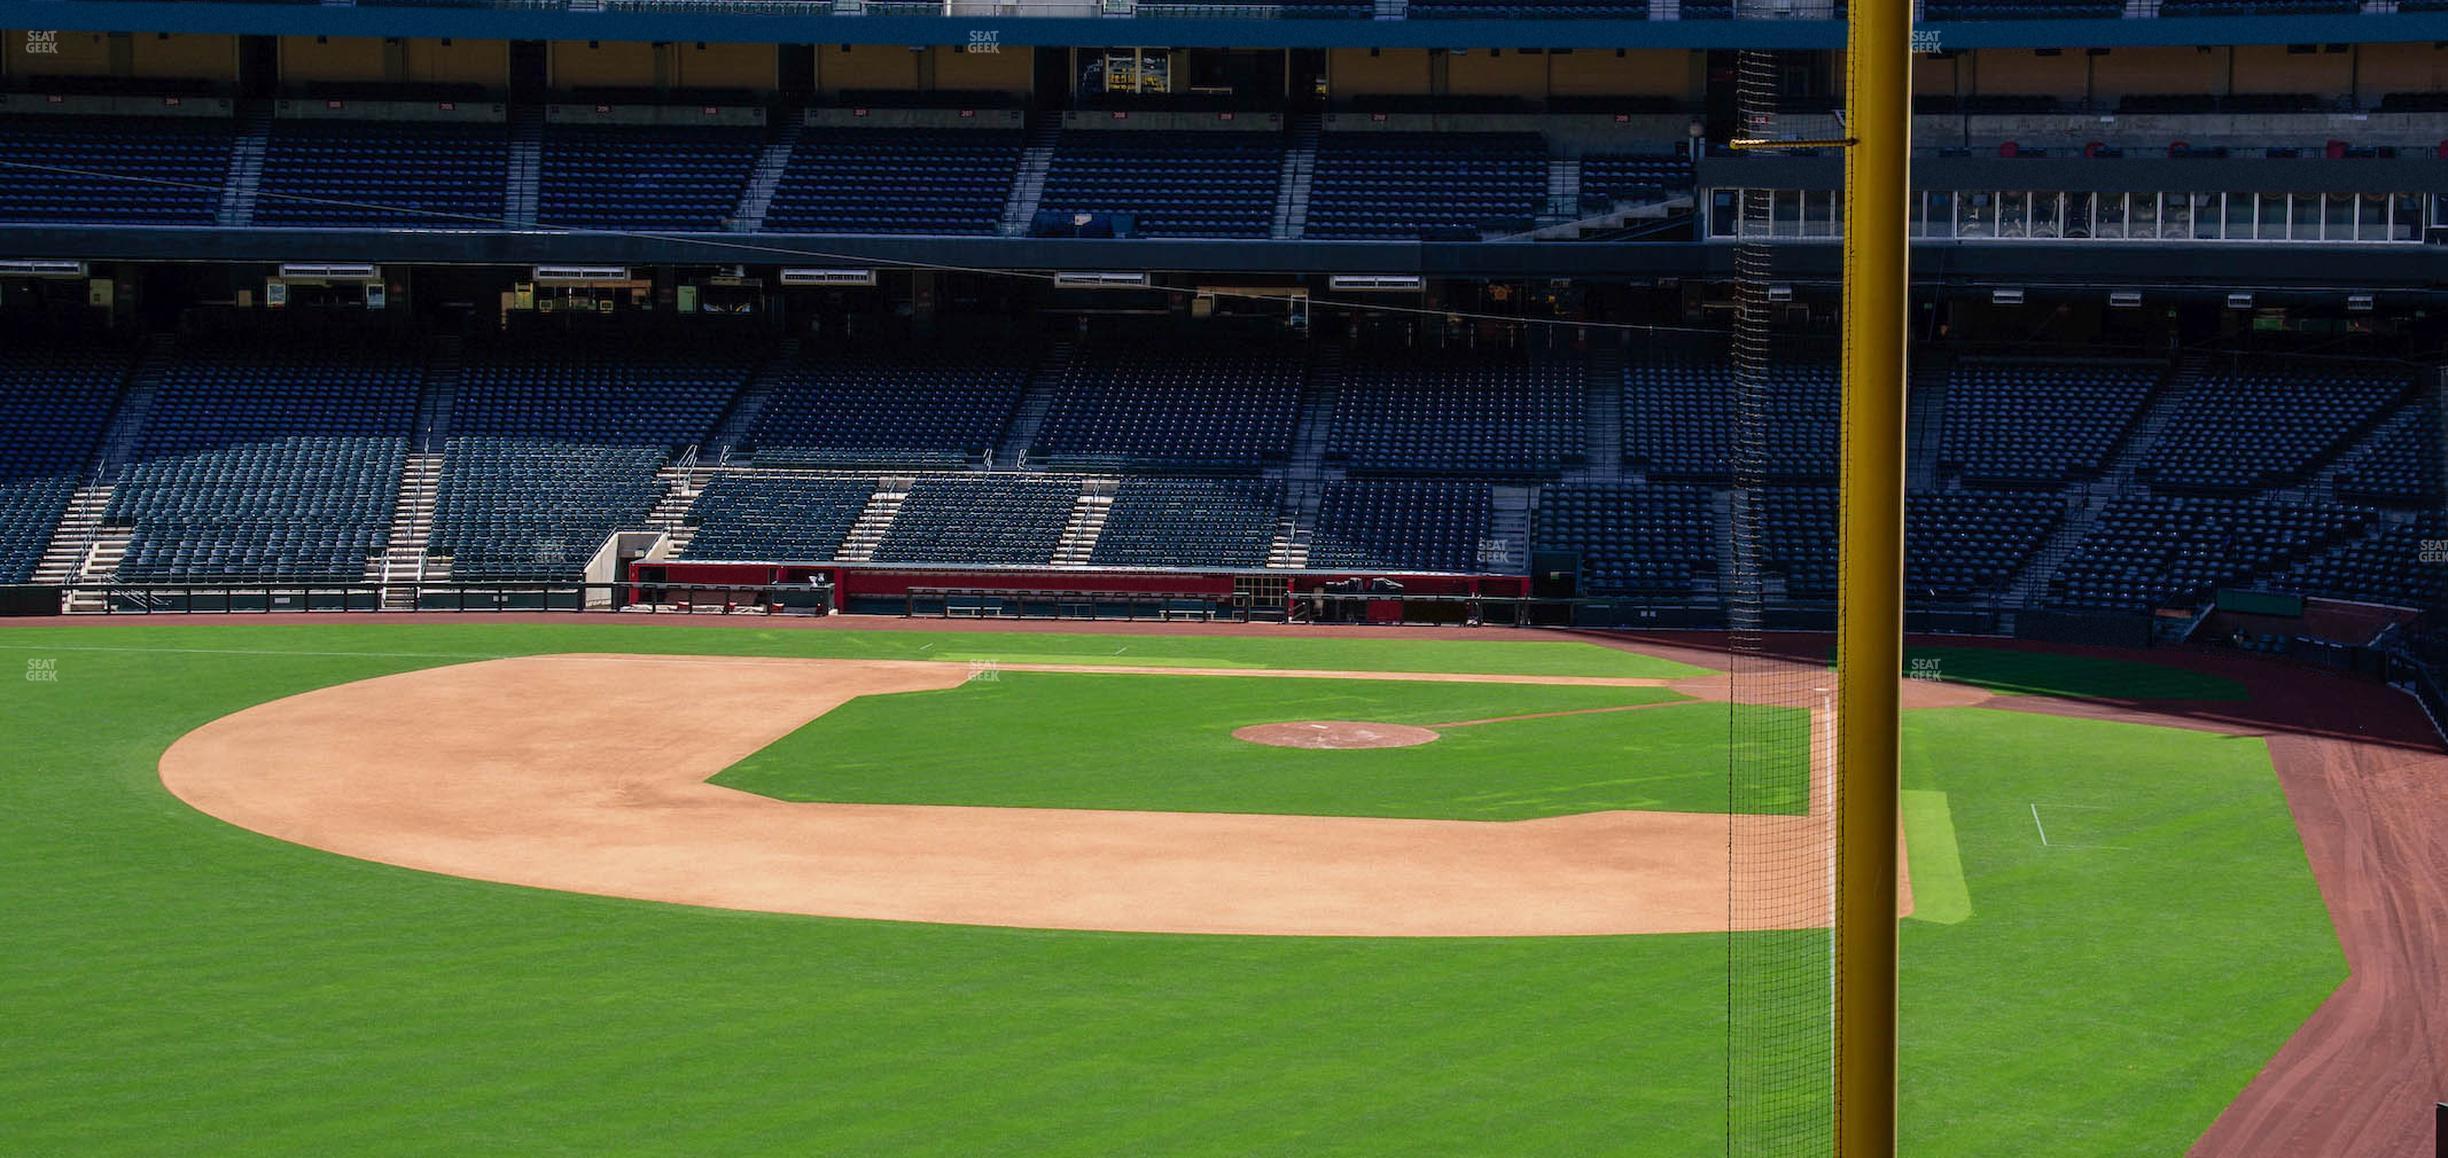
(1870, 631)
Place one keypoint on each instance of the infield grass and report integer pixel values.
(1040, 740)
(178, 985)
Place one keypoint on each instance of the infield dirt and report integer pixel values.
(588, 774)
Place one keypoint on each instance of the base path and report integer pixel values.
(588, 774)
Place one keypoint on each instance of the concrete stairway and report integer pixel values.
(860, 544)
(438, 395)
(403, 563)
(684, 482)
(1602, 413)
(1564, 188)
(1925, 417)
(749, 217)
(1304, 473)
(1079, 538)
(1290, 546)
(81, 548)
(1028, 419)
(1506, 551)
(1036, 158)
(74, 537)
(99, 563)
(245, 180)
(526, 165)
(739, 422)
(2030, 588)
(1299, 170)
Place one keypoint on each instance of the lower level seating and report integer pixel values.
(2150, 551)
(1658, 538)
(871, 407)
(1002, 520)
(1189, 523)
(531, 508)
(1958, 545)
(54, 401)
(1966, 544)
(304, 509)
(2401, 563)
(278, 464)
(1402, 526)
(2401, 464)
(777, 518)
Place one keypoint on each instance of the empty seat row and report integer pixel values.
(1216, 407)
(55, 399)
(267, 465)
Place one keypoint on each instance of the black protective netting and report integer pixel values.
(1780, 1086)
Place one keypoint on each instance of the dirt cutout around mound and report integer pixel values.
(588, 774)
(1335, 735)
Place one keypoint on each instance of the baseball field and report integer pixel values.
(585, 887)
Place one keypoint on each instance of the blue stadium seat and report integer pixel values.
(127, 170)
(1174, 184)
(1454, 411)
(938, 406)
(998, 519)
(389, 175)
(1148, 406)
(1402, 525)
(1174, 522)
(776, 517)
(1632, 539)
(554, 445)
(622, 177)
(267, 465)
(1425, 186)
(2266, 423)
(934, 181)
(55, 398)
(2022, 422)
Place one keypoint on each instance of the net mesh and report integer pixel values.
(1780, 953)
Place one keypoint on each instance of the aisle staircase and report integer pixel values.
(1011, 452)
(244, 183)
(526, 164)
(2030, 589)
(749, 217)
(1079, 537)
(81, 549)
(1028, 189)
(403, 564)
(859, 545)
(1299, 172)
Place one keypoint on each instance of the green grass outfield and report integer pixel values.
(1395, 651)
(177, 985)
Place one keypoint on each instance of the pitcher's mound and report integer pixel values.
(1335, 734)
